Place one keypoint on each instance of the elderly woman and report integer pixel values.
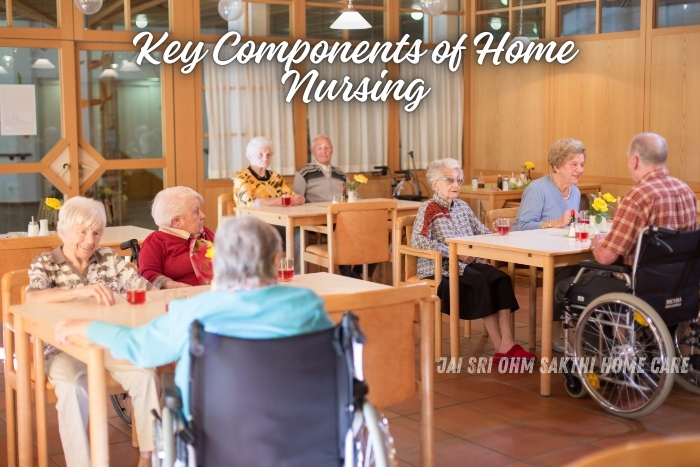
(548, 201)
(484, 291)
(81, 269)
(168, 256)
(246, 302)
(256, 184)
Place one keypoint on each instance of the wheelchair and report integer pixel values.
(633, 337)
(293, 401)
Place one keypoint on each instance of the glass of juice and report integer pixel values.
(502, 226)
(285, 269)
(582, 231)
(136, 291)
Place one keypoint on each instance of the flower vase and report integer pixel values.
(352, 196)
(43, 227)
(599, 227)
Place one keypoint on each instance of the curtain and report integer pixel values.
(357, 129)
(244, 101)
(434, 130)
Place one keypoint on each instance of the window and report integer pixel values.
(670, 13)
(259, 19)
(501, 16)
(579, 18)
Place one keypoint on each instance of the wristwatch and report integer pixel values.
(549, 224)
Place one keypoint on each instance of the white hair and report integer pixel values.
(313, 142)
(171, 203)
(246, 248)
(257, 143)
(78, 212)
(437, 168)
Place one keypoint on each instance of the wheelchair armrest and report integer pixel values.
(621, 268)
(171, 393)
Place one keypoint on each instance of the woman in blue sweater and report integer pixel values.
(245, 301)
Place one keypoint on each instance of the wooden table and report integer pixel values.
(39, 320)
(545, 248)
(309, 214)
(497, 198)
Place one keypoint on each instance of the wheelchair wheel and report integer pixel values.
(686, 339)
(374, 445)
(122, 405)
(574, 387)
(628, 345)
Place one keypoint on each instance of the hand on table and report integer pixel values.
(74, 327)
(466, 259)
(297, 200)
(99, 292)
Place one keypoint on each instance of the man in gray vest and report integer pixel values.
(319, 182)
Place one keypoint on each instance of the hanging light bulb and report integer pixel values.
(520, 37)
(88, 7)
(433, 7)
(231, 10)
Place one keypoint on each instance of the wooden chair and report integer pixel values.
(359, 236)
(14, 284)
(520, 275)
(225, 206)
(669, 452)
(406, 270)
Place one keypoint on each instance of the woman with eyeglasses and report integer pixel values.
(484, 291)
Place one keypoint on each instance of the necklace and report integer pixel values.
(567, 190)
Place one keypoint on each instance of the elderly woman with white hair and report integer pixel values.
(245, 301)
(484, 291)
(256, 184)
(167, 257)
(81, 269)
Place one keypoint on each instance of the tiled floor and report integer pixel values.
(481, 419)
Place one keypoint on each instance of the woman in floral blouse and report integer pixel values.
(257, 185)
(484, 291)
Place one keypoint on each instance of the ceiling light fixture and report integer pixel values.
(108, 73)
(129, 66)
(3, 71)
(520, 37)
(231, 10)
(141, 21)
(350, 19)
(43, 64)
(88, 7)
(433, 7)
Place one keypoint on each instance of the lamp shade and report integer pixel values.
(43, 64)
(129, 66)
(350, 19)
(433, 7)
(524, 39)
(231, 10)
(3, 71)
(88, 7)
(108, 73)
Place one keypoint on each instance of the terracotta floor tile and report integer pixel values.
(558, 392)
(455, 452)
(665, 414)
(523, 405)
(472, 388)
(120, 455)
(524, 380)
(631, 437)
(406, 432)
(688, 425)
(563, 456)
(523, 440)
(388, 414)
(412, 405)
(586, 425)
(464, 419)
(684, 399)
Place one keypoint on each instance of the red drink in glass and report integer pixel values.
(583, 234)
(503, 229)
(285, 275)
(136, 297)
(286, 200)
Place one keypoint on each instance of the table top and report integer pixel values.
(126, 314)
(112, 237)
(321, 208)
(547, 242)
(491, 189)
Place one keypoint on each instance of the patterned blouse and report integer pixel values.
(52, 271)
(437, 220)
(248, 186)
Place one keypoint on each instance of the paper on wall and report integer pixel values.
(17, 109)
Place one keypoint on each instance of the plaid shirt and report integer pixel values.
(657, 199)
(437, 220)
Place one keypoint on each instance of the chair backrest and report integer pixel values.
(404, 230)
(493, 214)
(13, 293)
(675, 452)
(270, 401)
(225, 205)
(360, 235)
(668, 280)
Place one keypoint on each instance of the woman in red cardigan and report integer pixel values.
(174, 255)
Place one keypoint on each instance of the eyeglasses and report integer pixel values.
(451, 180)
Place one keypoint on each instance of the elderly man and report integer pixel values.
(320, 181)
(655, 199)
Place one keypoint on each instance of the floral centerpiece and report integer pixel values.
(358, 180)
(53, 206)
(201, 256)
(527, 167)
(53, 203)
(602, 207)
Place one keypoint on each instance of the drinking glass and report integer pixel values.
(582, 231)
(502, 226)
(136, 292)
(285, 269)
(286, 200)
(583, 217)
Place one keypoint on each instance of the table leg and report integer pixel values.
(427, 449)
(97, 394)
(40, 402)
(454, 302)
(547, 313)
(24, 397)
(290, 238)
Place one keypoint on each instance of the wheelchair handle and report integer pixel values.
(664, 230)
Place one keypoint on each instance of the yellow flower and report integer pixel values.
(210, 250)
(361, 178)
(53, 203)
(600, 205)
(609, 198)
(529, 165)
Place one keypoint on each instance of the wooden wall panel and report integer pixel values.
(598, 99)
(675, 101)
(509, 109)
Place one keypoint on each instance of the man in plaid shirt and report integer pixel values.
(655, 199)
